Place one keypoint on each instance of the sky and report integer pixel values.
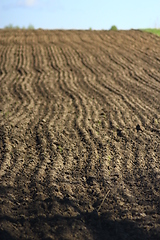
(81, 14)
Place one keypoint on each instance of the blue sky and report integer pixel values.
(80, 14)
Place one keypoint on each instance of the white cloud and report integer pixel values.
(26, 3)
(41, 4)
(30, 2)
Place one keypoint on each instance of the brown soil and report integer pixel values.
(79, 135)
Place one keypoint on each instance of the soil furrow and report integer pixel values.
(6, 149)
(79, 135)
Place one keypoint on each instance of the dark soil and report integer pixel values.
(79, 135)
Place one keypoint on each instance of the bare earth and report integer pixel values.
(79, 135)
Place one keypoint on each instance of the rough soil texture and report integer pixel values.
(79, 135)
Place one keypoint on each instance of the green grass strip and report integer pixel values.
(152, 30)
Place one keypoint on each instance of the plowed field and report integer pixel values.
(79, 135)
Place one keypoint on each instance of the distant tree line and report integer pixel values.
(10, 26)
(112, 28)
